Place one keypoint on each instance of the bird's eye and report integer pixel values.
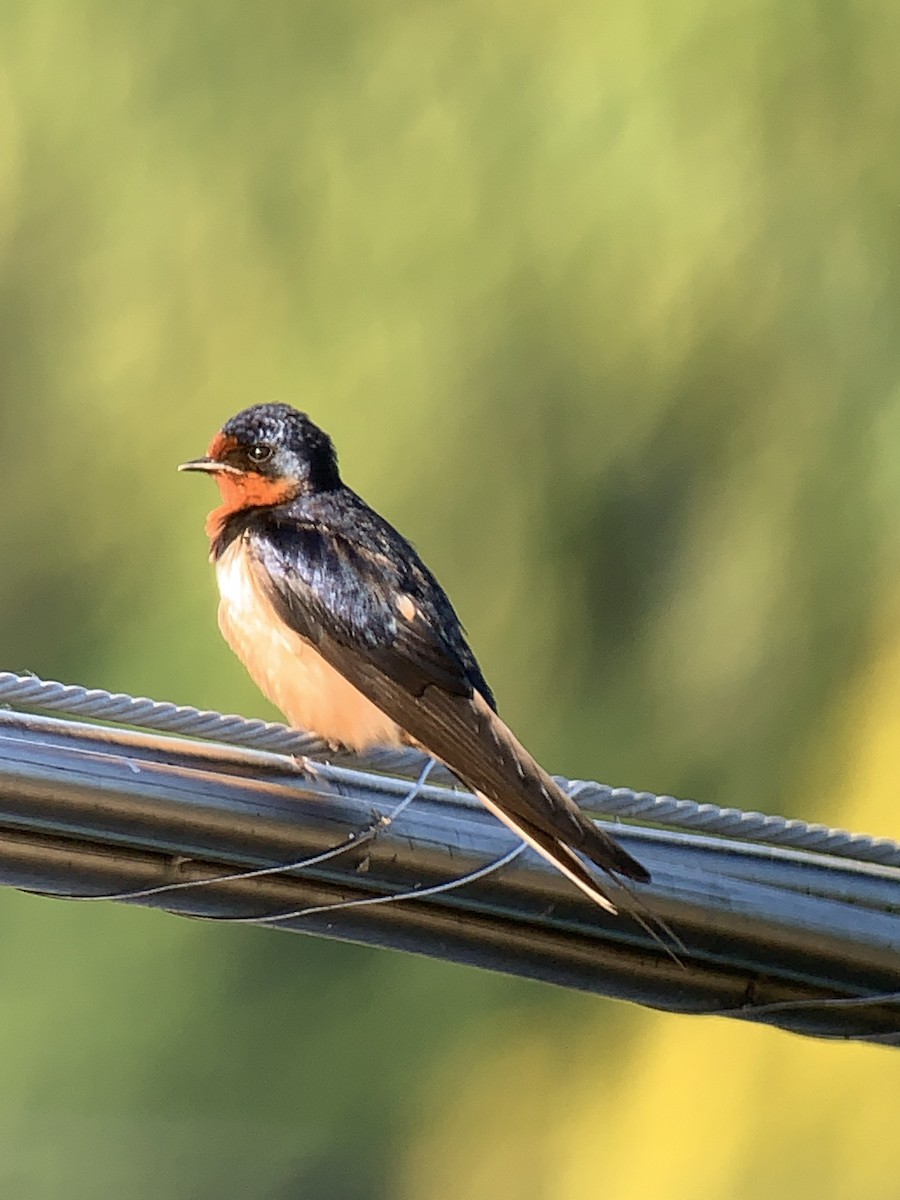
(259, 454)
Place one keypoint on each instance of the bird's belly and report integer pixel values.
(288, 670)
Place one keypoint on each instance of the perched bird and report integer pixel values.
(344, 628)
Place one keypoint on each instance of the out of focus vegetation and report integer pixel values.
(601, 303)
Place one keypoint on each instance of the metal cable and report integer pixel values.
(29, 691)
(233, 834)
(735, 823)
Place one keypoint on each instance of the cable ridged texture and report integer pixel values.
(735, 823)
(31, 692)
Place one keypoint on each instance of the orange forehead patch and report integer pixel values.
(220, 445)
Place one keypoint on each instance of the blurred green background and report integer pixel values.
(601, 305)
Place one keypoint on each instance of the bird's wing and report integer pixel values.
(390, 644)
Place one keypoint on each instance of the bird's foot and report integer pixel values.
(307, 767)
(312, 769)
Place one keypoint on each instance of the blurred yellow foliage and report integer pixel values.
(689, 1108)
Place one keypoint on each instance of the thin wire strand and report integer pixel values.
(236, 877)
(31, 692)
(448, 885)
(777, 1006)
(349, 843)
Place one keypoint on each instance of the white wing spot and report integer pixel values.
(406, 607)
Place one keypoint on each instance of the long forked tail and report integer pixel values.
(557, 853)
(567, 862)
(517, 789)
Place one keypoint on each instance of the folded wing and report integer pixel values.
(393, 634)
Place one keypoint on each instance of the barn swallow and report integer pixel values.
(345, 630)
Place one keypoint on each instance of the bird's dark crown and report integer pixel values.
(278, 442)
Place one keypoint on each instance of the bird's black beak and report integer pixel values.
(211, 465)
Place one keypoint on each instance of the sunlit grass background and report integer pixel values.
(601, 304)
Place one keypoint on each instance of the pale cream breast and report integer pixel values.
(288, 670)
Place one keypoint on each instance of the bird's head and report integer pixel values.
(268, 454)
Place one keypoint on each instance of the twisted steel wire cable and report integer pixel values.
(228, 831)
(29, 691)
